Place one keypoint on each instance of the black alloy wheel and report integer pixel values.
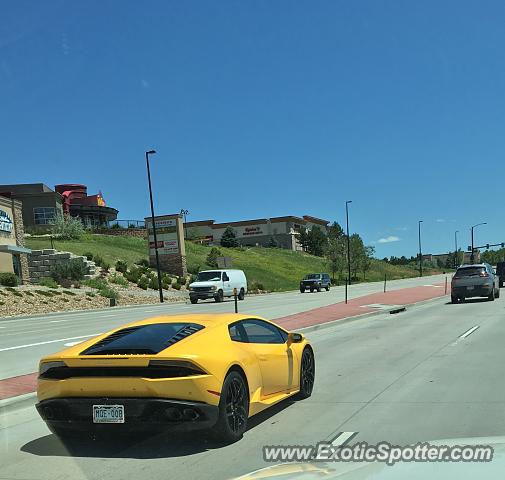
(307, 373)
(233, 408)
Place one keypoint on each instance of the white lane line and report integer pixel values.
(469, 332)
(17, 347)
(58, 321)
(342, 438)
(464, 335)
(71, 344)
(111, 315)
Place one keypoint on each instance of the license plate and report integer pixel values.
(108, 413)
(470, 287)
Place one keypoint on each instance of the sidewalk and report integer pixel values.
(361, 305)
(12, 387)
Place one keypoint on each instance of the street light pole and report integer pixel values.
(348, 241)
(472, 255)
(420, 251)
(456, 249)
(152, 152)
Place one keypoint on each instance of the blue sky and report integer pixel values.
(266, 108)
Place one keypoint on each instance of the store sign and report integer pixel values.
(166, 236)
(6, 223)
(252, 231)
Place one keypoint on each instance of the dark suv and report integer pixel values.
(315, 281)
(500, 271)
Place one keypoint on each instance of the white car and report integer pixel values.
(218, 284)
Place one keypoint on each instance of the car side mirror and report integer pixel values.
(226, 278)
(294, 338)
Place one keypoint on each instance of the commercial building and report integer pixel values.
(257, 232)
(13, 254)
(41, 204)
(91, 209)
(442, 257)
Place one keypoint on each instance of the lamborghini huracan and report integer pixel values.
(174, 372)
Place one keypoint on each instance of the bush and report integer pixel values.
(8, 279)
(88, 255)
(153, 283)
(67, 227)
(212, 257)
(121, 266)
(181, 281)
(118, 280)
(48, 282)
(98, 260)
(177, 286)
(256, 286)
(105, 267)
(97, 283)
(108, 292)
(72, 270)
(143, 262)
(166, 282)
(143, 282)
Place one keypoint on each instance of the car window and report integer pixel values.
(258, 331)
(237, 332)
(470, 271)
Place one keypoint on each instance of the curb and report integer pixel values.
(341, 321)
(12, 404)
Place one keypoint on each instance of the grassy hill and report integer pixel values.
(274, 268)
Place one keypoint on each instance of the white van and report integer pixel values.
(218, 284)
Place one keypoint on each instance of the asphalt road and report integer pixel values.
(23, 341)
(401, 378)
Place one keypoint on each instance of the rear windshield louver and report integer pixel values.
(147, 339)
(152, 371)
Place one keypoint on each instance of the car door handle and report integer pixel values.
(263, 358)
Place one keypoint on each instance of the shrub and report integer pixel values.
(88, 255)
(153, 283)
(143, 262)
(90, 294)
(67, 227)
(98, 260)
(105, 267)
(181, 281)
(118, 280)
(108, 292)
(48, 282)
(166, 282)
(256, 286)
(121, 266)
(143, 282)
(97, 283)
(72, 270)
(133, 275)
(177, 286)
(8, 279)
(212, 257)
(44, 293)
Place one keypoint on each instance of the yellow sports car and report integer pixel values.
(176, 372)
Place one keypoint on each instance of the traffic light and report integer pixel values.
(502, 245)
(487, 246)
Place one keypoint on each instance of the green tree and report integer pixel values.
(212, 257)
(357, 254)
(229, 238)
(317, 242)
(366, 264)
(272, 242)
(335, 249)
(303, 239)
